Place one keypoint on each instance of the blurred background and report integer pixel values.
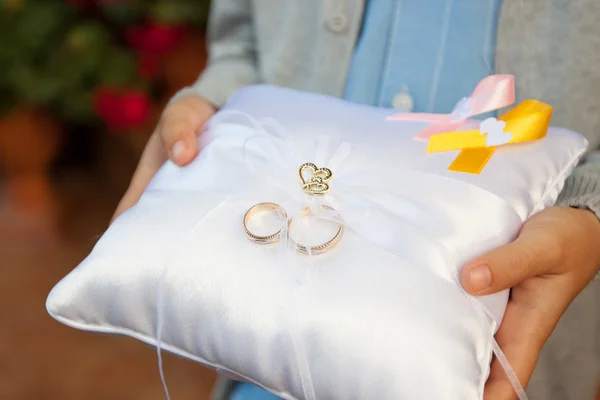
(82, 84)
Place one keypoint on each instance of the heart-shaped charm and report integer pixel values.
(494, 131)
(314, 179)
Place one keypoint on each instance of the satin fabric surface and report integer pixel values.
(379, 317)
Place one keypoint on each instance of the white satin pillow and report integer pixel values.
(359, 322)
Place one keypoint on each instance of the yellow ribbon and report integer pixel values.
(526, 122)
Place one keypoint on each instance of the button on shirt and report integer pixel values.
(422, 56)
(337, 23)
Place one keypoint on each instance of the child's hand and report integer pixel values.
(174, 139)
(555, 256)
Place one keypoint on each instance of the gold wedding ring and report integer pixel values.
(251, 213)
(275, 237)
(321, 248)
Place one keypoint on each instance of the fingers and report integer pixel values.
(521, 337)
(153, 157)
(180, 125)
(175, 138)
(532, 254)
(179, 138)
(544, 271)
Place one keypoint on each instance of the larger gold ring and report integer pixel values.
(321, 248)
(258, 208)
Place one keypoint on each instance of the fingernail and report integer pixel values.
(481, 277)
(178, 149)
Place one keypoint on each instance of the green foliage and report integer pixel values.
(125, 12)
(168, 11)
(28, 36)
(55, 55)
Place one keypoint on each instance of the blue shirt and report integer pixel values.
(436, 50)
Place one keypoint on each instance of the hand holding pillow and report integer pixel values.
(555, 256)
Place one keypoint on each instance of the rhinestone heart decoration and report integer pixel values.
(314, 179)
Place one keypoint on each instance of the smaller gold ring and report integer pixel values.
(258, 208)
(321, 248)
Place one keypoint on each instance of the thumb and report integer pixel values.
(180, 125)
(507, 266)
(179, 138)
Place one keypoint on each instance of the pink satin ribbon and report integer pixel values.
(492, 93)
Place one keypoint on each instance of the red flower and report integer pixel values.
(105, 100)
(121, 110)
(135, 108)
(148, 65)
(156, 39)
